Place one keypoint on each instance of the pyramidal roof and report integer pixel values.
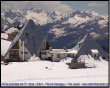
(88, 43)
(33, 36)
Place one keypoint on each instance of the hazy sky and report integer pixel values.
(98, 6)
(64, 6)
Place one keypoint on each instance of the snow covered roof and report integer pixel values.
(57, 50)
(83, 39)
(4, 46)
(73, 51)
(94, 51)
(63, 51)
(4, 35)
(11, 30)
(77, 46)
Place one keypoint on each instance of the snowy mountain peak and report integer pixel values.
(92, 13)
(63, 27)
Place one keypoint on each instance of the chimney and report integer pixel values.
(50, 48)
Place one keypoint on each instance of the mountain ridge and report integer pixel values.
(63, 27)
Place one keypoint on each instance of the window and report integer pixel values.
(13, 54)
(58, 56)
(24, 52)
(43, 53)
(21, 44)
(103, 57)
(44, 44)
(52, 55)
(26, 34)
(68, 55)
(73, 55)
(16, 46)
(94, 55)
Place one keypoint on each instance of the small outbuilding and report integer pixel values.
(57, 54)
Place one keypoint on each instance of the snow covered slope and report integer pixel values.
(56, 72)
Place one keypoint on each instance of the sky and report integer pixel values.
(100, 7)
